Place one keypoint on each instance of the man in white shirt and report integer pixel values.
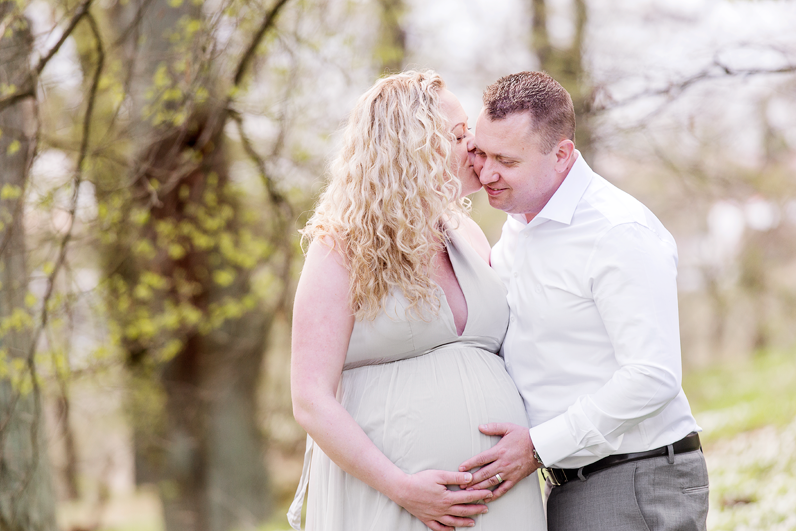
(593, 341)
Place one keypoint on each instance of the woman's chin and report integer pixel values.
(470, 185)
(469, 191)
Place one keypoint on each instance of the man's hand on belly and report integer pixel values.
(511, 458)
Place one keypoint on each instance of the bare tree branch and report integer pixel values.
(717, 70)
(266, 24)
(134, 25)
(44, 316)
(80, 12)
(29, 89)
(221, 116)
(275, 195)
(133, 28)
(284, 213)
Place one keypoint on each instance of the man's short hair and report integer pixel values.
(550, 105)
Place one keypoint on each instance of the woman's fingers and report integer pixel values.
(488, 483)
(436, 526)
(458, 497)
(469, 509)
(453, 521)
(444, 477)
(439, 508)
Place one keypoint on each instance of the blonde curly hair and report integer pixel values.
(390, 189)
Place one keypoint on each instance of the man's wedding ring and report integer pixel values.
(500, 479)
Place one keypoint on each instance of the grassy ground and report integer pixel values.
(729, 399)
(748, 411)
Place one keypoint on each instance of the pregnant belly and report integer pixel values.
(424, 412)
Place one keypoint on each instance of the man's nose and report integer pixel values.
(484, 170)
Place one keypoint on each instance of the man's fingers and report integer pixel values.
(487, 476)
(488, 483)
(484, 458)
(494, 428)
(488, 456)
(501, 490)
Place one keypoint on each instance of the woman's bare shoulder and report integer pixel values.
(325, 262)
(328, 245)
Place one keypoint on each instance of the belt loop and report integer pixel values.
(670, 449)
(580, 474)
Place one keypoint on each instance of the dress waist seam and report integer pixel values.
(386, 361)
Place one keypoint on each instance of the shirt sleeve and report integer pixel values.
(632, 276)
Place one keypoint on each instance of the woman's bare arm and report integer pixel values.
(322, 325)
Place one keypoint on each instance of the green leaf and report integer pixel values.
(10, 191)
(13, 147)
(176, 251)
(224, 277)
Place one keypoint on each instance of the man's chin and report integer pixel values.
(496, 202)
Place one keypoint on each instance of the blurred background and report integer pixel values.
(158, 156)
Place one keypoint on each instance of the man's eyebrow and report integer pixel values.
(500, 155)
(496, 155)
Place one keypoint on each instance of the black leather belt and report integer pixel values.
(559, 476)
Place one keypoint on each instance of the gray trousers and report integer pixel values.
(646, 495)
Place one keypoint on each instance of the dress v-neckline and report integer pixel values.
(448, 244)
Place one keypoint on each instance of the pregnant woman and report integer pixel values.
(397, 322)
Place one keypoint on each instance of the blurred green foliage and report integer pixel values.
(747, 410)
(731, 397)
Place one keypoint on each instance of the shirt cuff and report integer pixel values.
(553, 440)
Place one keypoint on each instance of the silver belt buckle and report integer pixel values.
(555, 476)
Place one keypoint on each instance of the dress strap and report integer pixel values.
(294, 513)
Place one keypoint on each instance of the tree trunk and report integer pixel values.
(215, 450)
(391, 45)
(26, 497)
(566, 66)
(208, 456)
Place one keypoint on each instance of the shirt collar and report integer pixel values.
(561, 207)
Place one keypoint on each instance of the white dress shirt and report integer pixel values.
(593, 342)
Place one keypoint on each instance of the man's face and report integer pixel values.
(517, 176)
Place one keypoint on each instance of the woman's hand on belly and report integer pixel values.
(427, 497)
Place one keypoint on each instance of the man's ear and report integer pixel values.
(565, 153)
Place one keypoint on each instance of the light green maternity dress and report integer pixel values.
(420, 391)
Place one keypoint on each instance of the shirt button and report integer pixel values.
(511, 319)
(516, 274)
(538, 288)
